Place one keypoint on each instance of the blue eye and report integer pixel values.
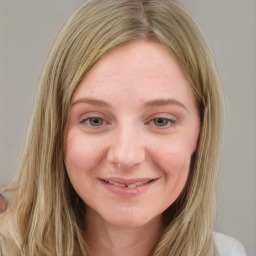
(94, 121)
(162, 122)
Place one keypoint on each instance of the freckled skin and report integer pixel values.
(126, 79)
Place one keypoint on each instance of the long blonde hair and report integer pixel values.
(47, 213)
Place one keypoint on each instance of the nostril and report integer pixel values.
(126, 150)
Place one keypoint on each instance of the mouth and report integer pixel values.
(128, 187)
(128, 184)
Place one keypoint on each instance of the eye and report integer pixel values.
(94, 121)
(163, 122)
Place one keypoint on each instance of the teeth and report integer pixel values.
(117, 184)
(133, 185)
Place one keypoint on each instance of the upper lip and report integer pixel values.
(127, 181)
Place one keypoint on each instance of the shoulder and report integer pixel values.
(228, 246)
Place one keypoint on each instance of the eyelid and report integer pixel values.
(97, 118)
(168, 117)
(91, 115)
(83, 121)
(163, 116)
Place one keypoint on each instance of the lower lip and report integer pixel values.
(128, 192)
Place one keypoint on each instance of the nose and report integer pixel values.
(127, 147)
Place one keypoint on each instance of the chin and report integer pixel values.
(129, 218)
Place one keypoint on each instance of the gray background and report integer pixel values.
(27, 29)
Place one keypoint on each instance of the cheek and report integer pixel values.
(173, 160)
(174, 157)
(82, 158)
(82, 154)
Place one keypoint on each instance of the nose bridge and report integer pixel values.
(127, 146)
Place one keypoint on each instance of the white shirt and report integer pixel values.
(228, 246)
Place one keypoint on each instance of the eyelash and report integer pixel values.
(167, 122)
(88, 119)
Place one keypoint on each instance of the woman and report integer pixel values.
(122, 149)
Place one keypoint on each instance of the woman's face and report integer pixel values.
(132, 128)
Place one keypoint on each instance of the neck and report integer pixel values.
(104, 238)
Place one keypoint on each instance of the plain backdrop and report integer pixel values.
(27, 30)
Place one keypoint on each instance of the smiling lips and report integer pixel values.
(127, 184)
(128, 187)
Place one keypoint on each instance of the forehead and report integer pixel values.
(143, 68)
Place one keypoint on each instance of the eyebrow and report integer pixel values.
(91, 101)
(163, 102)
(149, 104)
